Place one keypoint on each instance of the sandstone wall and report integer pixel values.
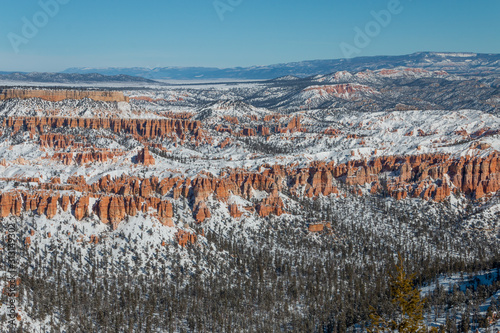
(144, 128)
(60, 95)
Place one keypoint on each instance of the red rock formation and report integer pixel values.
(201, 213)
(140, 128)
(145, 189)
(81, 208)
(234, 211)
(184, 237)
(248, 132)
(224, 143)
(223, 129)
(60, 95)
(65, 202)
(316, 227)
(166, 185)
(375, 188)
(263, 130)
(232, 120)
(319, 181)
(428, 176)
(409, 133)
(361, 174)
(442, 192)
(52, 206)
(65, 158)
(89, 157)
(271, 205)
(222, 189)
(273, 117)
(30, 202)
(130, 206)
(102, 209)
(42, 203)
(332, 131)
(78, 181)
(55, 180)
(202, 188)
(405, 172)
(294, 124)
(165, 212)
(144, 157)
(401, 194)
(55, 140)
(10, 203)
(116, 211)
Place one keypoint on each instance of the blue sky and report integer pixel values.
(157, 33)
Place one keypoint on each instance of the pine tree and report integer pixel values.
(408, 316)
(465, 322)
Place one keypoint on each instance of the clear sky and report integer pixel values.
(230, 33)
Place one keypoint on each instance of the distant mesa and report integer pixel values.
(60, 95)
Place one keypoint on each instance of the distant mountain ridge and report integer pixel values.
(452, 62)
(71, 78)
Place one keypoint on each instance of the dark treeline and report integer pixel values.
(279, 279)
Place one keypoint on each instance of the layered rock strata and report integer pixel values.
(60, 95)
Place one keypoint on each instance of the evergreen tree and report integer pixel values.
(408, 316)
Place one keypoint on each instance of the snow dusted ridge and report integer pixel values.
(455, 62)
(185, 184)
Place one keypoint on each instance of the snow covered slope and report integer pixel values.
(184, 185)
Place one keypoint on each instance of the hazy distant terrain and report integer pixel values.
(453, 63)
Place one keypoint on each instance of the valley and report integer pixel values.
(277, 205)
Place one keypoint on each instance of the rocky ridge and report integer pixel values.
(60, 95)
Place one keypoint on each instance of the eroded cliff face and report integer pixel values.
(426, 176)
(60, 95)
(142, 129)
(148, 128)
